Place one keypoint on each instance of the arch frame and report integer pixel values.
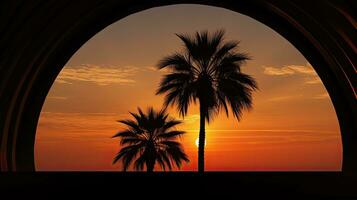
(38, 37)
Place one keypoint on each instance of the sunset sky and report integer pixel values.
(293, 125)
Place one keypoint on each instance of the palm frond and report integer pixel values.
(140, 162)
(171, 123)
(176, 153)
(165, 158)
(239, 96)
(125, 133)
(171, 134)
(130, 123)
(178, 63)
(127, 154)
(130, 140)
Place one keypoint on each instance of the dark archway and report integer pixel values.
(37, 38)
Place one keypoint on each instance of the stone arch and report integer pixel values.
(37, 39)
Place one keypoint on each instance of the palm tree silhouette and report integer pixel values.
(148, 139)
(208, 70)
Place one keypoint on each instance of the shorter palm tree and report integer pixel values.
(148, 139)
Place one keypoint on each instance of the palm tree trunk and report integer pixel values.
(150, 166)
(201, 140)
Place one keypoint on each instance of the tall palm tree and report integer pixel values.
(148, 139)
(208, 70)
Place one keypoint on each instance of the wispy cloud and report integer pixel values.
(299, 97)
(155, 69)
(191, 119)
(151, 68)
(102, 126)
(285, 98)
(313, 80)
(101, 75)
(57, 97)
(75, 124)
(321, 96)
(288, 70)
(80, 122)
(263, 137)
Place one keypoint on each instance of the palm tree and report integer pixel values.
(148, 139)
(208, 70)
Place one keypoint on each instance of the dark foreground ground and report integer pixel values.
(188, 185)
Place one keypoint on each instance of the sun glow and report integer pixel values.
(197, 142)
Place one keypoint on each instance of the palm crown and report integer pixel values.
(148, 139)
(208, 70)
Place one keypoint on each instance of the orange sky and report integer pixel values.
(293, 125)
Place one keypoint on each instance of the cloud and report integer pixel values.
(155, 69)
(62, 81)
(263, 137)
(288, 70)
(321, 96)
(313, 80)
(275, 71)
(100, 75)
(78, 123)
(57, 97)
(302, 69)
(191, 119)
(301, 97)
(151, 68)
(284, 98)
